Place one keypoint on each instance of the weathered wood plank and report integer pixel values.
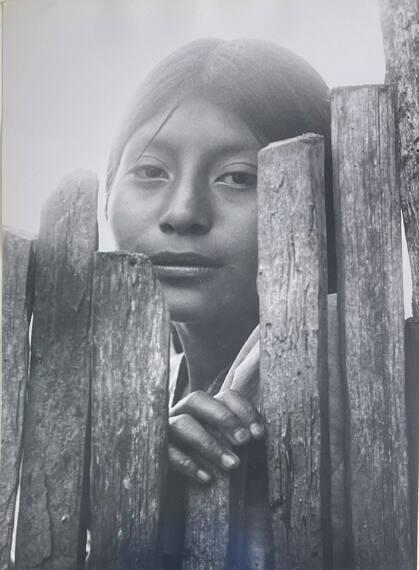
(208, 525)
(412, 407)
(215, 521)
(292, 286)
(400, 25)
(370, 308)
(17, 308)
(49, 528)
(129, 412)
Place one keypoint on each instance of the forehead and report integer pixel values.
(197, 126)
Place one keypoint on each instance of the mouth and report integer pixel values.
(184, 265)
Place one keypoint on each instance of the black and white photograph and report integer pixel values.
(210, 285)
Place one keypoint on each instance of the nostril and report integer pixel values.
(166, 228)
(183, 229)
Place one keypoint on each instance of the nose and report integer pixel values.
(188, 210)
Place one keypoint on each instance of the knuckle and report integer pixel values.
(230, 395)
(194, 399)
(228, 420)
(180, 422)
(243, 407)
(213, 448)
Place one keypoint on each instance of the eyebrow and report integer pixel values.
(252, 165)
(217, 150)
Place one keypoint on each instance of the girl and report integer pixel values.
(182, 189)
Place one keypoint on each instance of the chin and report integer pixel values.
(186, 307)
(188, 313)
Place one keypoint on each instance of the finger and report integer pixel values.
(188, 434)
(243, 409)
(183, 463)
(214, 413)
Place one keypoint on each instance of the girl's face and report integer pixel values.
(187, 199)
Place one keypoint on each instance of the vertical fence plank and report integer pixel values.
(129, 412)
(370, 306)
(48, 532)
(17, 306)
(292, 288)
(412, 406)
(207, 525)
(400, 25)
(215, 522)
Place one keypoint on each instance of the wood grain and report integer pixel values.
(129, 412)
(400, 26)
(208, 524)
(49, 526)
(370, 305)
(17, 307)
(412, 407)
(292, 286)
(214, 537)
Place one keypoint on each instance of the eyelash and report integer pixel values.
(151, 167)
(248, 183)
(152, 173)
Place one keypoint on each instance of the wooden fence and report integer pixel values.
(84, 423)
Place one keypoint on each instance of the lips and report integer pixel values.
(184, 259)
(183, 265)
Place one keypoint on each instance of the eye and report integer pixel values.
(150, 172)
(238, 179)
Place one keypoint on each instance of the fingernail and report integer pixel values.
(229, 461)
(203, 476)
(241, 435)
(256, 429)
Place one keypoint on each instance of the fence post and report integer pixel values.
(17, 308)
(214, 522)
(370, 305)
(400, 25)
(49, 528)
(412, 399)
(207, 525)
(292, 286)
(129, 412)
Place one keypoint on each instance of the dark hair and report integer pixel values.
(277, 93)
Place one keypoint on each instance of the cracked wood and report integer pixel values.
(292, 286)
(49, 527)
(17, 307)
(400, 26)
(370, 305)
(129, 412)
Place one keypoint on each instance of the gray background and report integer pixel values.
(71, 66)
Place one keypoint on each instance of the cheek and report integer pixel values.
(129, 218)
(244, 235)
(241, 240)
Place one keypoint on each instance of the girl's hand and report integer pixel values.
(203, 429)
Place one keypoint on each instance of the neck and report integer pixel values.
(209, 348)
